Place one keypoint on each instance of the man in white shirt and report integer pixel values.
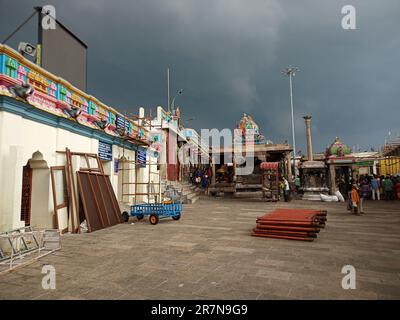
(286, 191)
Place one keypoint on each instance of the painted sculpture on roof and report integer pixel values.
(21, 79)
(249, 129)
(338, 148)
(73, 111)
(22, 91)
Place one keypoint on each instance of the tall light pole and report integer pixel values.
(290, 72)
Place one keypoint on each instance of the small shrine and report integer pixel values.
(256, 166)
(337, 149)
(346, 165)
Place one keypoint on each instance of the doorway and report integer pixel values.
(343, 179)
(26, 196)
(35, 207)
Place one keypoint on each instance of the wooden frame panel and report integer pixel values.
(65, 203)
(99, 203)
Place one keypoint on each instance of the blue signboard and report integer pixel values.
(105, 151)
(121, 123)
(141, 157)
(188, 133)
(116, 165)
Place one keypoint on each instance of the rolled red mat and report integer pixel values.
(282, 237)
(292, 210)
(309, 224)
(286, 233)
(288, 214)
(289, 228)
(315, 221)
(293, 224)
(291, 217)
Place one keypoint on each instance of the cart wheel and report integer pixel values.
(139, 216)
(176, 217)
(125, 216)
(153, 219)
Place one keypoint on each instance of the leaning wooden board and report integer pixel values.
(100, 206)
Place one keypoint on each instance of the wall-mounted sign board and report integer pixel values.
(116, 166)
(105, 151)
(141, 157)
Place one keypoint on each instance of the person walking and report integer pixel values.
(388, 188)
(191, 175)
(204, 183)
(355, 199)
(297, 183)
(381, 191)
(286, 190)
(198, 176)
(397, 188)
(209, 172)
(375, 184)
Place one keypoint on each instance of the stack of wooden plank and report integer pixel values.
(292, 224)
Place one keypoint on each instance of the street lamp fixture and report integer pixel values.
(179, 92)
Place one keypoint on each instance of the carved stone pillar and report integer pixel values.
(332, 178)
(308, 136)
(289, 167)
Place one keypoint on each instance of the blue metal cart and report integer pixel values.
(155, 211)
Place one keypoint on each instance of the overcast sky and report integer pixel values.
(227, 55)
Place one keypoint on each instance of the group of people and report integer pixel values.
(372, 187)
(288, 189)
(201, 177)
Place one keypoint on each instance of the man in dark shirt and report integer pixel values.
(388, 188)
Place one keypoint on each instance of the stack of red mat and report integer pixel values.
(292, 224)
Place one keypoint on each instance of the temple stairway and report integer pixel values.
(188, 192)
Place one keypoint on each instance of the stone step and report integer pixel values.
(189, 190)
(250, 194)
(186, 191)
(190, 193)
(192, 200)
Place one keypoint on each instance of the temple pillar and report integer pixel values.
(332, 178)
(289, 167)
(307, 120)
(313, 185)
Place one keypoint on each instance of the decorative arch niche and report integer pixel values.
(41, 215)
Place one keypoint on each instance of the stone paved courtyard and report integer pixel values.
(209, 254)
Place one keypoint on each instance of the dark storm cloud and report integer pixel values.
(228, 54)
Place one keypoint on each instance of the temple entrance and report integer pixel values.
(343, 179)
(26, 197)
